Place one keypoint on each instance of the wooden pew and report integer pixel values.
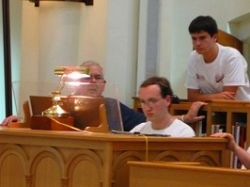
(148, 174)
(41, 158)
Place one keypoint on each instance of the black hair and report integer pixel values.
(203, 23)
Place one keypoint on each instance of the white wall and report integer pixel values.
(240, 27)
(29, 43)
(93, 32)
(121, 55)
(59, 25)
(48, 38)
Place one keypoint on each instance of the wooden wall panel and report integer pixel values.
(12, 171)
(47, 173)
(229, 40)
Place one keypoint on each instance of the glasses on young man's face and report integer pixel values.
(150, 102)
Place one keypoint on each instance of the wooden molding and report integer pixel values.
(87, 2)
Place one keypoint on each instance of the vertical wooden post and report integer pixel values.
(7, 57)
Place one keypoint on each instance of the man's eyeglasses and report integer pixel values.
(96, 77)
(150, 102)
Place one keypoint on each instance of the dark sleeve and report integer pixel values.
(130, 117)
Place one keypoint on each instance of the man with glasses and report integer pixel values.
(156, 95)
(128, 117)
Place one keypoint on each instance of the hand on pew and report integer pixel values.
(8, 120)
(243, 155)
(192, 114)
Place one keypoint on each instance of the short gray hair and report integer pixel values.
(90, 63)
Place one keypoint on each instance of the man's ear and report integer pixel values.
(168, 99)
(215, 37)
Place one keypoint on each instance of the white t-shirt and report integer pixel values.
(176, 129)
(228, 69)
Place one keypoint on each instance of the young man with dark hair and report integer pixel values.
(214, 71)
(156, 95)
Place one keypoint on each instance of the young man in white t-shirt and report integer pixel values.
(214, 71)
(155, 95)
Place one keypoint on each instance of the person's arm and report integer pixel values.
(228, 93)
(242, 154)
(234, 76)
(192, 115)
(8, 120)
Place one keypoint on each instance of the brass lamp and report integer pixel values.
(68, 74)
